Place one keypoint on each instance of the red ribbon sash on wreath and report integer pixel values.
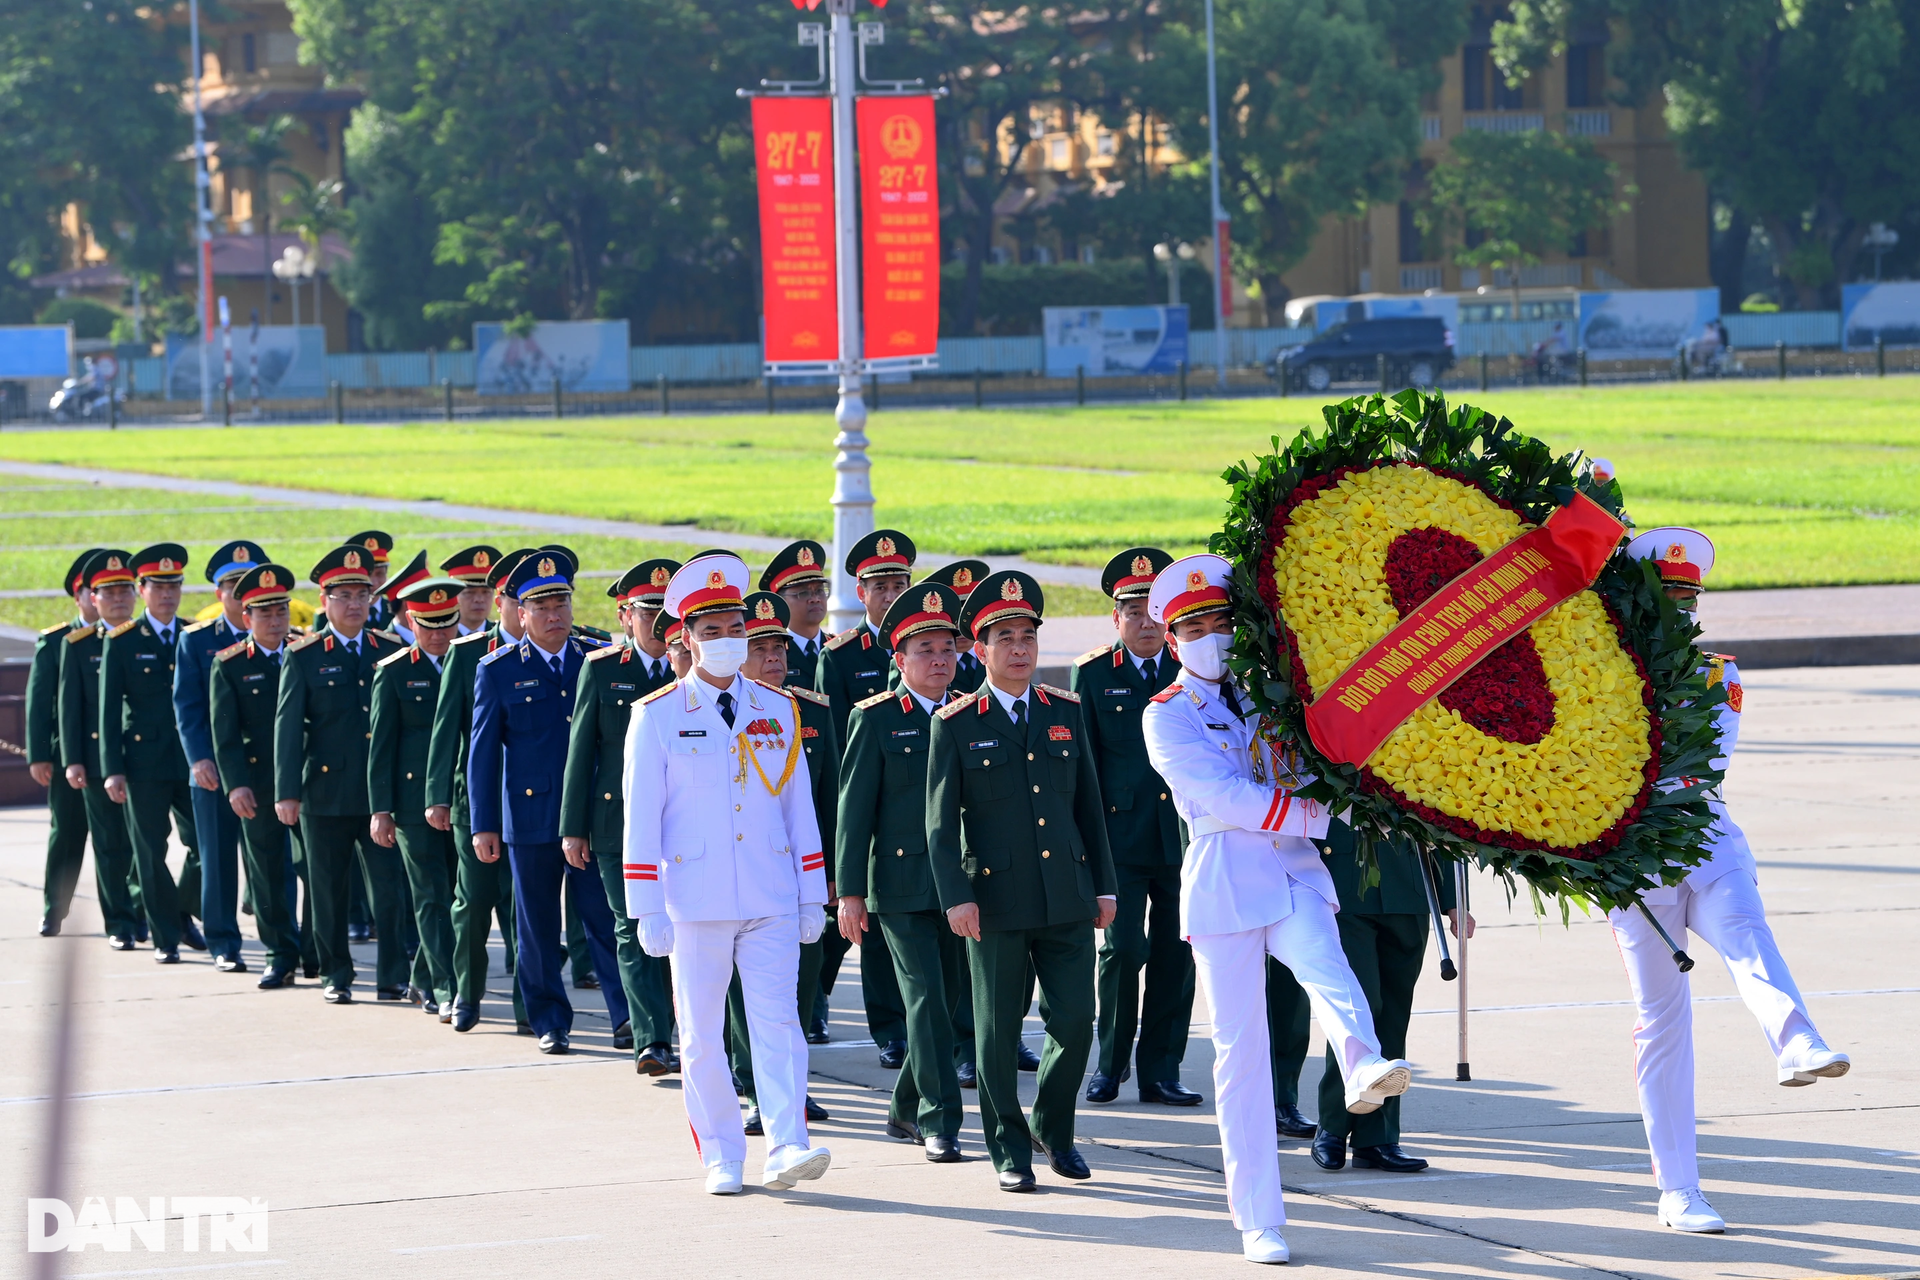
(1458, 626)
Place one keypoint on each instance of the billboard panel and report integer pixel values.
(35, 350)
(1644, 323)
(1888, 311)
(1108, 341)
(585, 355)
(293, 363)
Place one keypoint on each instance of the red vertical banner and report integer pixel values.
(1222, 265)
(793, 146)
(900, 227)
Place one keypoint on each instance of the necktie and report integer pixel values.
(813, 648)
(1231, 697)
(275, 655)
(1020, 712)
(653, 669)
(559, 667)
(726, 709)
(1146, 669)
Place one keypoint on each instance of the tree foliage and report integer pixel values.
(1507, 199)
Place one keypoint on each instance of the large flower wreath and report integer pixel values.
(1560, 757)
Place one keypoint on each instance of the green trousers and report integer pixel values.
(1062, 959)
(66, 847)
(647, 980)
(427, 856)
(266, 848)
(154, 811)
(930, 961)
(1290, 1032)
(482, 891)
(1145, 935)
(1386, 952)
(334, 842)
(303, 872)
(739, 1043)
(579, 955)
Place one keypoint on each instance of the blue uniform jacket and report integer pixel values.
(192, 690)
(522, 718)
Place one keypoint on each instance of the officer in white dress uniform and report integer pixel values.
(724, 867)
(1252, 885)
(1720, 901)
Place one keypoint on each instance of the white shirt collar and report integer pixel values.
(271, 653)
(1139, 663)
(709, 695)
(549, 656)
(926, 706)
(803, 641)
(1007, 700)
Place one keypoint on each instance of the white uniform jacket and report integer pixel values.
(1248, 833)
(712, 831)
(1726, 843)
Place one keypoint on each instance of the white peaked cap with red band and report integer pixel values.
(1190, 585)
(707, 584)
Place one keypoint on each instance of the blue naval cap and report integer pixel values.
(544, 572)
(237, 556)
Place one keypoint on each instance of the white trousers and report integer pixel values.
(1729, 916)
(1232, 968)
(767, 952)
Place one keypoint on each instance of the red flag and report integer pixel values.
(793, 144)
(900, 226)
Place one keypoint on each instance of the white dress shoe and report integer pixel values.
(1376, 1080)
(1688, 1210)
(1264, 1245)
(724, 1179)
(1800, 1069)
(791, 1165)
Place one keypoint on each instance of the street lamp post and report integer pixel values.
(1222, 280)
(852, 472)
(203, 218)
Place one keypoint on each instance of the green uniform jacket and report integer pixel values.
(854, 666)
(880, 852)
(80, 699)
(138, 733)
(593, 794)
(1014, 819)
(1142, 825)
(245, 693)
(801, 669)
(821, 738)
(1399, 891)
(453, 721)
(43, 694)
(406, 692)
(322, 726)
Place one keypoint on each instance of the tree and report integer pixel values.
(318, 211)
(1803, 113)
(1508, 198)
(261, 150)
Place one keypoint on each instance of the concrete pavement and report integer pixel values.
(387, 1145)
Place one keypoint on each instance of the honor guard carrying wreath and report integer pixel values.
(724, 868)
(1253, 885)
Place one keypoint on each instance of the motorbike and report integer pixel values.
(82, 399)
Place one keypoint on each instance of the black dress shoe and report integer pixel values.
(942, 1150)
(750, 1122)
(623, 1036)
(1126, 1074)
(430, 1006)
(555, 1042)
(1388, 1156)
(1102, 1088)
(190, 933)
(1169, 1093)
(969, 1079)
(120, 942)
(415, 995)
(390, 993)
(465, 1016)
(652, 1061)
(49, 927)
(140, 931)
(893, 1054)
(275, 979)
(1029, 1060)
(1291, 1123)
(673, 1061)
(1329, 1151)
(905, 1130)
(817, 1031)
(1016, 1180)
(359, 933)
(815, 1112)
(337, 995)
(1068, 1163)
(230, 964)
(166, 955)
(309, 971)
(586, 982)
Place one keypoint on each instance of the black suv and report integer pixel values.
(1416, 347)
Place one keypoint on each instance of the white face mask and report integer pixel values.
(1206, 656)
(721, 656)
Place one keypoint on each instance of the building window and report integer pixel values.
(247, 63)
(1412, 244)
(1473, 76)
(1506, 97)
(1059, 153)
(1103, 143)
(1586, 75)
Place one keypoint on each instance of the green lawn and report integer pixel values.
(1800, 483)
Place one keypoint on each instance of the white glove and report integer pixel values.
(656, 934)
(812, 922)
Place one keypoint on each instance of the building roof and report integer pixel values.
(234, 257)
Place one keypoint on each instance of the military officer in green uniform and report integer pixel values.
(66, 807)
(482, 890)
(593, 797)
(141, 755)
(469, 566)
(378, 544)
(1017, 838)
(798, 575)
(322, 730)
(969, 673)
(1114, 683)
(883, 877)
(855, 665)
(109, 576)
(1383, 931)
(406, 691)
(768, 637)
(400, 619)
(244, 697)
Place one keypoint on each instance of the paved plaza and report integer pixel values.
(387, 1145)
